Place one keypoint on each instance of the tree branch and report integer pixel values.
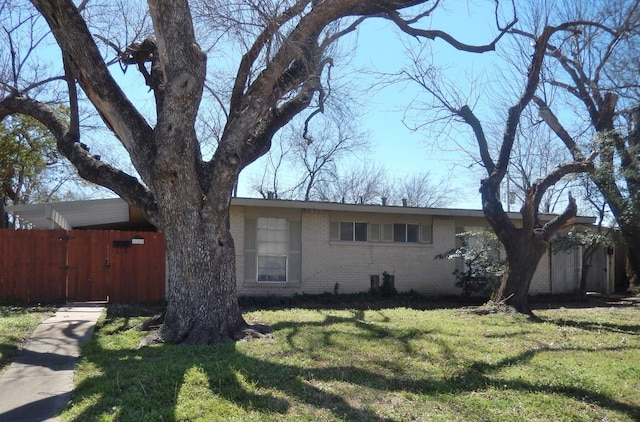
(249, 58)
(470, 118)
(552, 121)
(74, 38)
(432, 34)
(89, 167)
(540, 186)
(560, 221)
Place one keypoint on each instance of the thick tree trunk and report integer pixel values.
(633, 260)
(202, 302)
(523, 257)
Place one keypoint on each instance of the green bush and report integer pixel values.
(483, 268)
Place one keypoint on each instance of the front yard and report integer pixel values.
(384, 364)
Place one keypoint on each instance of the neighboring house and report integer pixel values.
(292, 247)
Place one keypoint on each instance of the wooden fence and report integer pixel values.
(79, 265)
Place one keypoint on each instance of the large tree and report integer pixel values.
(279, 73)
(525, 241)
(25, 151)
(594, 73)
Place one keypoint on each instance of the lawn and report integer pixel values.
(16, 325)
(390, 364)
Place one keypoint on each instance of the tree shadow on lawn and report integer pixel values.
(632, 329)
(149, 381)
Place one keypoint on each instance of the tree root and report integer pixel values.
(246, 333)
(253, 331)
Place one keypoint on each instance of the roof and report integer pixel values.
(116, 213)
(95, 213)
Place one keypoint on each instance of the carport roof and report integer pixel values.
(72, 214)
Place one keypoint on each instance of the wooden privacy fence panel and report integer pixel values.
(78, 265)
(31, 265)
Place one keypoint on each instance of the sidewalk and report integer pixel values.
(38, 384)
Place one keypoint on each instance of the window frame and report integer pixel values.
(279, 233)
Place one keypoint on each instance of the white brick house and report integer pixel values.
(292, 247)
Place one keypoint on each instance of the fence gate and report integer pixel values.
(79, 265)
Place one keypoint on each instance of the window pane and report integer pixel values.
(387, 232)
(361, 232)
(413, 232)
(272, 268)
(346, 231)
(399, 232)
(426, 234)
(374, 235)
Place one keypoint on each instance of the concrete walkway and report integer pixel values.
(38, 384)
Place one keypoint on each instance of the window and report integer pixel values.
(387, 232)
(374, 232)
(399, 232)
(426, 233)
(409, 233)
(271, 247)
(413, 233)
(350, 231)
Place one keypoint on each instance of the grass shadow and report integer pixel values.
(632, 329)
(222, 380)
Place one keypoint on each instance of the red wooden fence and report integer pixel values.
(79, 265)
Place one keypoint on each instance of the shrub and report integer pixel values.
(482, 266)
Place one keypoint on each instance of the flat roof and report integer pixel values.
(113, 211)
(383, 209)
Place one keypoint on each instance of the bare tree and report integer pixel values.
(526, 244)
(280, 65)
(310, 152)
(535, 153)
(420, 190)
(356, 183)
(269, 182)
(318, 153)
(596, 67)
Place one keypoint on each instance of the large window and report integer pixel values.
(409, 233)
(271, 246)
(353, 231)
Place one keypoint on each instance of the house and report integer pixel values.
(286, 247)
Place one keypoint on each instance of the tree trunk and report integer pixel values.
(202, 303)
(4, 223)
(586, 266)
(523, 257)
(630, 231)
(633, 259)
